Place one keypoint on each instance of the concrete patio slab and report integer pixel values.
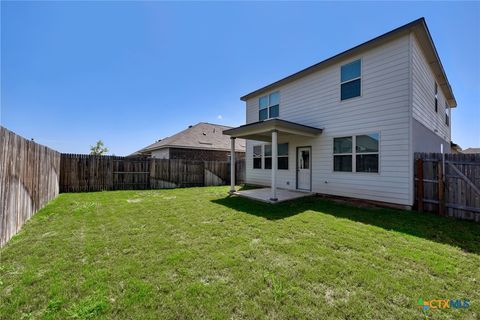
(264, 194)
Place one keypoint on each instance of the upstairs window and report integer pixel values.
(269, 106)
(257, 157)
(436, 97)
(447, 118)
(350, 80)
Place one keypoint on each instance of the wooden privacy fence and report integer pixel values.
(448, 184)
(29, 175)
(80, 172)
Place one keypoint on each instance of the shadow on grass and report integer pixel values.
(462, 234)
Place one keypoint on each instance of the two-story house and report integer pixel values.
(349, 125)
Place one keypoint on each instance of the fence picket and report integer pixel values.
(457, 193)
(29, 177)
(95, 173)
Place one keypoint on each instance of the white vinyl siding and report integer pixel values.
(383, 107)
(423, 99)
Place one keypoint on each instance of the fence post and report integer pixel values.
(151, 175)
(204, 173)
(441, 189)
(420, 185)
(169, 169)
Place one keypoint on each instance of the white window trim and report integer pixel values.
(284, 156)
(342, 82)
(263, 156)
(447, 114)
(257, 157)
(269, 105)
(288, 160)
(343, 154)
(354, 153)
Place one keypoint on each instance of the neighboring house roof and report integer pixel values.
(471, 150)
(203, 135)
(419, 27)
(455, 147)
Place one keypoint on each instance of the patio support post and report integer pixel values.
(274, 165)
(232, 165)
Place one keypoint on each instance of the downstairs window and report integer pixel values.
(363, 158)
(257, 157)
(282, 157)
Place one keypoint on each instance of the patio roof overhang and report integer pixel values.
(262, 130)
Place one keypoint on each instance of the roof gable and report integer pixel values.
(200, 136)
(418, 27)
(471, 150)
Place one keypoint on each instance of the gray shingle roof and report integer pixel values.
(203, 135)
(419, 27)
(471, 150)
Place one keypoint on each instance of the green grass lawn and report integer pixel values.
(197, 253)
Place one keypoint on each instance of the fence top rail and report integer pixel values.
(130, 172)
(473, 158)
(477, 163)
(82, 155)
(133, 159)
(4, 131)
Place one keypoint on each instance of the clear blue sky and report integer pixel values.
(131, 72)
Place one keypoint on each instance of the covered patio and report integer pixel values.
(269, 131)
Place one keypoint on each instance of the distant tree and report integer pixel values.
(98, 149)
